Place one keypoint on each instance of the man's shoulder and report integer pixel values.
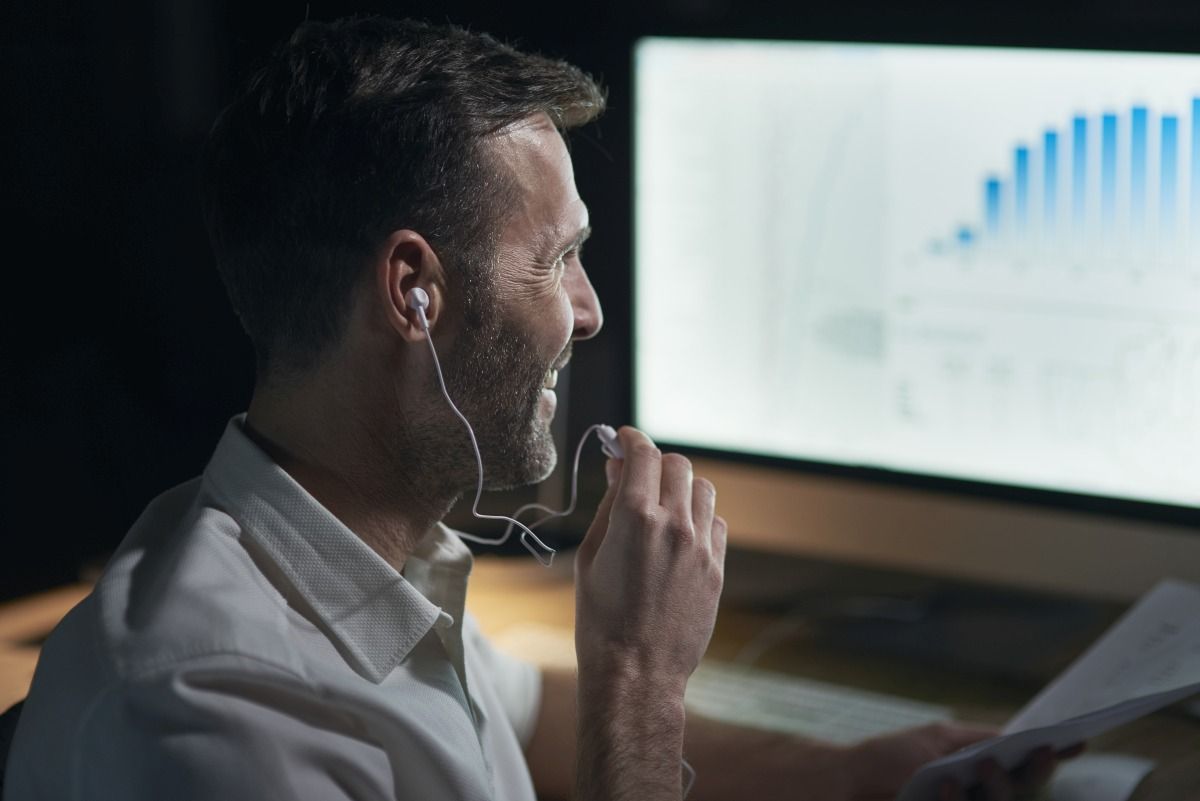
(180, 598)
(184, 584)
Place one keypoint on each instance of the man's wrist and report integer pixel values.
(632, 696)
(609, 670)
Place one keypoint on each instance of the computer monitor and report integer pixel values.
(931, 307)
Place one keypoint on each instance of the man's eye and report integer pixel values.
(560, 263)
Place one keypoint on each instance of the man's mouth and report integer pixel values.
(551, 380)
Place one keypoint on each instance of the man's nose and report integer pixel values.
(585, 305)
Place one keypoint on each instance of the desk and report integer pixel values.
(508, 593)
(24, 623)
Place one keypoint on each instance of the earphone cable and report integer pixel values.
(527, 533)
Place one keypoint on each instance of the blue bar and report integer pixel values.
(1168, 181)
(1078, 171)
(965, 236)
(1108, 170)
(991, 201)
(1139, 119)
(1050, 179)
(1196, 161)
(1021, 188)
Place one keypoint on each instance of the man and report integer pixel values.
(291, 624)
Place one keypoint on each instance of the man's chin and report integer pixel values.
(541, 459)
(533, 465)
(545, 466)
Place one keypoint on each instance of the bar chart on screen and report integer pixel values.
(1059, 309)
(1110, 187)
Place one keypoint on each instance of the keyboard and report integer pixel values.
(834, 713)
(751, 696)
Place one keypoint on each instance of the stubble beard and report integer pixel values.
(495, 377)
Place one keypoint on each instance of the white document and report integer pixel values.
(1099, 777)
(1149, 659)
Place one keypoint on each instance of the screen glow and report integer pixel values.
(979, 263)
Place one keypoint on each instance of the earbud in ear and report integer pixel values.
(418, 300)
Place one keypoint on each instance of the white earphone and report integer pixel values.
(417, 300)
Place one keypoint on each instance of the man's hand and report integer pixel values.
(649, 572)
(648, 576)
(878, 768)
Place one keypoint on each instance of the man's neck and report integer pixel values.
(353, 471)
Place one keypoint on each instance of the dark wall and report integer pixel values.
(121, 361)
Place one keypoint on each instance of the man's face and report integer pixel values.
(541, 302)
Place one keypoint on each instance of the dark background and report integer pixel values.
(121, 361)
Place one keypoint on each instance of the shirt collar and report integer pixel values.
(375, 614)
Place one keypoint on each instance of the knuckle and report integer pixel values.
(644, 450)
(704, 487)
(676, 461)
(644, 514)
(681, 529)
(716, 571)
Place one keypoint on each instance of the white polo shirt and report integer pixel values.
(244, 644)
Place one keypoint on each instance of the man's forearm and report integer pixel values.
(735, 762)
(731, 762)
(630, 738)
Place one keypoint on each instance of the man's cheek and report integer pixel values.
(565, 323)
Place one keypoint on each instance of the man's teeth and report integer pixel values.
(551, 379)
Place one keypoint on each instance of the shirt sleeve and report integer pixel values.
(517, 683)
(211, 732)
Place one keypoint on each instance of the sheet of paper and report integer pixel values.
(1011, 750)
(1154, 647)
(1099, 777)
(1149, 659)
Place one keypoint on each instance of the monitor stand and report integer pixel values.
(995, 632)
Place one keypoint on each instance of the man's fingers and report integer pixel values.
(676, 494)
(994, 781)
(1072, 751)
(720, 532)
(595, 533)
(1034, 771)
(641, 474)
(704, 506)
(953, 736)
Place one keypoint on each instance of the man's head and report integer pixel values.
(372, 152)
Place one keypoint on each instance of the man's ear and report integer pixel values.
(405, 261)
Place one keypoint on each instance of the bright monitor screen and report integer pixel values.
(964, 262)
